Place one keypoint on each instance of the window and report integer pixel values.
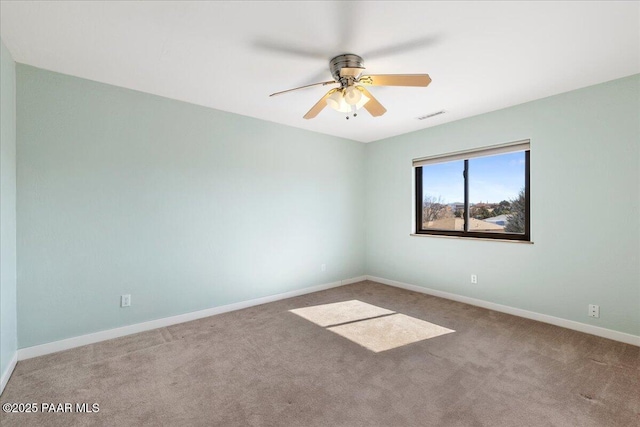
(482, 193)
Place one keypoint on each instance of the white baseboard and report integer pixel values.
(354, 280)
(545, 318)
(7, 373)
(66, 344)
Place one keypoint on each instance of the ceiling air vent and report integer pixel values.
(428, 116)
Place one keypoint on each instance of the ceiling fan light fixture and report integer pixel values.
(343, 100)
(337, 101)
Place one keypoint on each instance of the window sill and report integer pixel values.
(527, 242)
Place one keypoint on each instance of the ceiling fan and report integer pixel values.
(352, 95)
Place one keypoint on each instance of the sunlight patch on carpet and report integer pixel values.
(374, 328)
(389, 332)
(340, 312)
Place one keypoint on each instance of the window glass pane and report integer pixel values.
(496, 193)
(443, 196)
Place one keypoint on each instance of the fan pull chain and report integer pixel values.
(354, 110)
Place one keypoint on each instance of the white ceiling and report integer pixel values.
(482, 56)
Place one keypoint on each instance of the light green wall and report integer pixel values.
(585, 209)
(8, 329)
(181, 206)
(187, 208)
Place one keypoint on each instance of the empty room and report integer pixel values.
(320, 213)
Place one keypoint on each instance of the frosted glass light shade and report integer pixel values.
(363, 100)
(352, 95)
(335, 99)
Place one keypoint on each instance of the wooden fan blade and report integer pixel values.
(303, 87)
(353, 72)
(396, 80)
(315, 110)
(373, 106)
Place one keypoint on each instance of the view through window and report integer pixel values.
(476, 194)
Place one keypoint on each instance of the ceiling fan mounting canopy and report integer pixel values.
(348, 60)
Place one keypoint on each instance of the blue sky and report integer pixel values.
(491, 179)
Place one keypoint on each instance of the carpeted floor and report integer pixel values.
(266, 366)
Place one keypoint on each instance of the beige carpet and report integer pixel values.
(267, 366)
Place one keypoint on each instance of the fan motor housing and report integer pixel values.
(348, 60)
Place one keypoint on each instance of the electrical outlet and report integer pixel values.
(594, 310)
(125, 300)
(474, 278)
(323, 267)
